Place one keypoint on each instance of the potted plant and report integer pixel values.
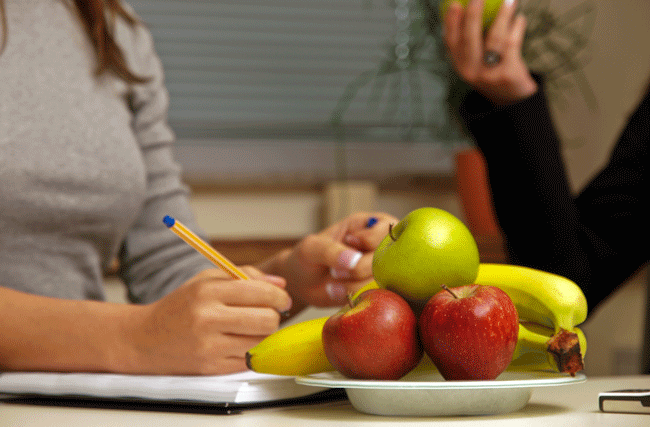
(554, 48)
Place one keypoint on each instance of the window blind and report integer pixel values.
(281, 69)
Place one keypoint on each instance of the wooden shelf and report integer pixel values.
(251, 251)
(242, 252)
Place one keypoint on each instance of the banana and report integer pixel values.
(296, 349)
(537, 349)
(293, 350)
(549, 308)
(540, 297)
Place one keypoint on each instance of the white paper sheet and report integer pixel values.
(245, 387)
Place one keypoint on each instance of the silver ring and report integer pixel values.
(491, 58)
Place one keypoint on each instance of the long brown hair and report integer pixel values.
(95, 16)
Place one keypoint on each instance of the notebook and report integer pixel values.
(245, 389)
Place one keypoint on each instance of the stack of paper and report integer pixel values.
(241, 388)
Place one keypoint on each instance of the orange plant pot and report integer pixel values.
(475, 194)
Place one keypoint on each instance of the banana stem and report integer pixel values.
(565, 349)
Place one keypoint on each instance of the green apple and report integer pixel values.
(489, 11)
(429, 247)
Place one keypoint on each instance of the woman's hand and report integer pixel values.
(323, 268)
(493, 63)
(207, 325)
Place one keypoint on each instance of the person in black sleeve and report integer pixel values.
(599, 237)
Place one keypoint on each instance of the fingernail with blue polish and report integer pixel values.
(371, 221)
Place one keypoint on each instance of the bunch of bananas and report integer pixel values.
(549, 306)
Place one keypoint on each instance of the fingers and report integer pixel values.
(334, 266)
(366, 238)
(226, 333)
(255, 273)
(322, 267)
(505, 77)
(205, 326)
(334, 293)
(242, 321)
(350, 263)
(244, 293)
(343, 245)
(342, 262)
(221, 344)
(235, 346)
(331, 294)
(452, 26)
(499, 35)
(464, 39)
(472, 35)
(335, 255)
(518, 35)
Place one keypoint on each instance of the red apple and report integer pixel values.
(374, 336)
(470, 332)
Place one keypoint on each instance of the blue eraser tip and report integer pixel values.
(169, 221)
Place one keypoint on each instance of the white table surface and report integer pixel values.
(572, 405)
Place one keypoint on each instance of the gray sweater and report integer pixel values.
(86, 167)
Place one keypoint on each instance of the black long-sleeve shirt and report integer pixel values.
(599, 237)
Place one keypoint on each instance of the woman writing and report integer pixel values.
(87, 176)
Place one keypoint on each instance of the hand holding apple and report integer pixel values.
(507, 78)
(373, 337)
(470, 332)
(427, 248)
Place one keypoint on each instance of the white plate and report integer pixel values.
(428, 394)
